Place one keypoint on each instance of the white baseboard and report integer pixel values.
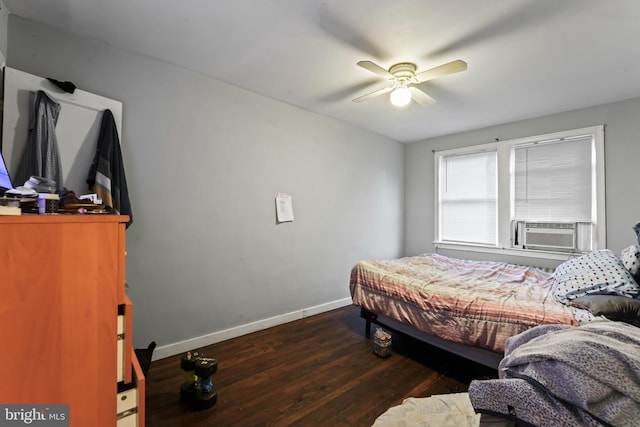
(188, 345)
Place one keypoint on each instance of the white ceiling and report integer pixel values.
(526, 58)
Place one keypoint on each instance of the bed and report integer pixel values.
(471, 308)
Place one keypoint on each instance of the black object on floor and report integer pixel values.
(144, 357)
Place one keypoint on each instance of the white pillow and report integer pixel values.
(631, 259)
(598, 272)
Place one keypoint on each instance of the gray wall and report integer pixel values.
(4, 18)
(204, 162)
(622, 150)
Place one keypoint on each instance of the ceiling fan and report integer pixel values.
(403, 80)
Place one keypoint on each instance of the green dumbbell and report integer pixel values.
(189, 388)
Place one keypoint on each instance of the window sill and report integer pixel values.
(524, 253)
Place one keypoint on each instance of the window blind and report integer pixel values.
(553, 181)
(468, 198)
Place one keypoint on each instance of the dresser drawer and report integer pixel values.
(127, 400)
(128, 421)
(130, 404)
(127, 407)
(121, 346)
(124, 343)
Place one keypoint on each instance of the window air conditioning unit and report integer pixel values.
(550, 235)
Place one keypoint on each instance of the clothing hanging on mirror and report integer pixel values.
(41, 156)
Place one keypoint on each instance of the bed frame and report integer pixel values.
(483, 356)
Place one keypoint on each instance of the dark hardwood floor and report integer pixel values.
(317, 371)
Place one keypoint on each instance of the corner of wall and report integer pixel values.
(4, 28)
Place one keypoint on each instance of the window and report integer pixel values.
(489, 195)
(468, 198)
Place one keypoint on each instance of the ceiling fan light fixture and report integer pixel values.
(403, 77)
(401, 96)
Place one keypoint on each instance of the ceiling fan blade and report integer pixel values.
(376, 69)
(373, 94)
(442, 70)
(420, 97)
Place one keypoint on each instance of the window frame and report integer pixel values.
(506, 189)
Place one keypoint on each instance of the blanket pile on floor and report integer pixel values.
(566, 375)
(551, 375)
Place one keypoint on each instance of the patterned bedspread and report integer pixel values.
(472, 302)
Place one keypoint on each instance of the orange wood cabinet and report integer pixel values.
(61, 283)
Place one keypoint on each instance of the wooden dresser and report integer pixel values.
(65, 320)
